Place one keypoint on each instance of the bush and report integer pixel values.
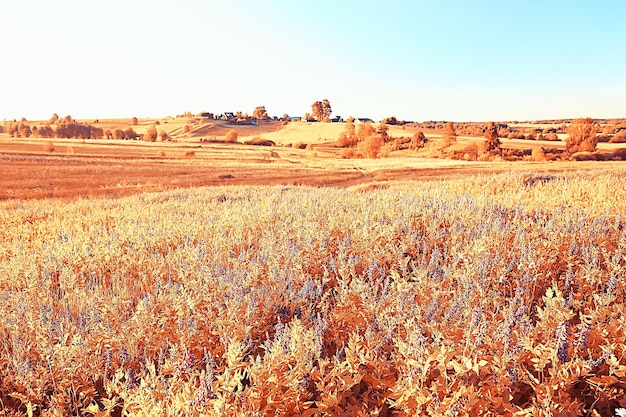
(619, 137)
(538, 155)
(584, 156)
(492, 142)
(370, 147)
(470, 152)
(49, 147)
(130, 134)
(259, 142)
(620, 154)
(419, 140)
(582, 136)
(134, 121)
(118, 134)
(151, 135)
(231, 136)
(97, 133)
(347, 153)
(348, 137)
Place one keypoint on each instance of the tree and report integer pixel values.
(231, 136)
(130, 134)
(492, 144)
(582, 136)
(348, 137)
(259, 112)
(418, 140)
(391, 120)
(151, 134)
(449, 134)
(326, 110)
(382, 131)
(371, 146)
(365, 131)
(321, 110)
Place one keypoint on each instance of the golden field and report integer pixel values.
(195, 276)
(486, 295)
(196, 155)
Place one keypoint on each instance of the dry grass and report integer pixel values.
(488, 295)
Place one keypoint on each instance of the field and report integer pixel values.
(68, 168)
(202, 278)
(487, 295)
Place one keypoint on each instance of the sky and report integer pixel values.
(480, 60)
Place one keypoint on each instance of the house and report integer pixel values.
(229, 116)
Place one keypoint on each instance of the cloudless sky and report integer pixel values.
(455, 60)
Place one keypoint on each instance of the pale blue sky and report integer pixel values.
(437, 60)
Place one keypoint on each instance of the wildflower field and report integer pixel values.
(489, 295)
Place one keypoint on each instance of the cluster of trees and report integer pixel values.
(320, 112)
(54, 128)
(68, 128)
(369, 140)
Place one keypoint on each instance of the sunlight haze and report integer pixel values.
(417, 60)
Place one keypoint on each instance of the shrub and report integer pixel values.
(348, 137)
(190, 154)
(619, 137)
(470, 152)
(364, 131)
(371, 146)
(620, 154)
(188, 128)
(24, 129)
(130, 134)
(584, 156)
(151, 134)
(97, 132)
(118, 134)
(492, 142)
(419, 140)
(449, 134)
(134, 121)
(49, 147)
(258, 142)
(164, 136)
(43, 132)
(347, 153)
(231, 136)
(582, 136)
(538, 155)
